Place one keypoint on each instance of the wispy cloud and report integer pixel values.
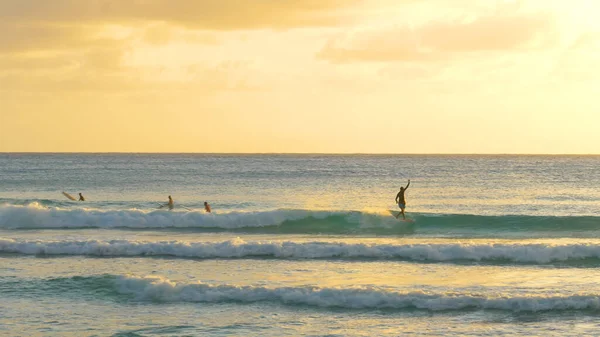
(579, 62)
(440, 39)
(202, 14)
(77, 42)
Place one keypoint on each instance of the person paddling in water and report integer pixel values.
(170, 204)
(401, 201)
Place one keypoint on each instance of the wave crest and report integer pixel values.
(160, 289)
(238, 248)
(35, 216)
(283, 221)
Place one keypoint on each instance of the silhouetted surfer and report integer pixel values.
(81, 198)
(401, 201)
(206, 207)
(170, 204)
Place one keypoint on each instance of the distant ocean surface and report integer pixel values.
(299, 245)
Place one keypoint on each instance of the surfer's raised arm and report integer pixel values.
(407, 184)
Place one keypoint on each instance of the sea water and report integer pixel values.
(299, 245)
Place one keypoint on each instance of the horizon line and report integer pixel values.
(314, 153)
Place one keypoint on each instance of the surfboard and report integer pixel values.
(160, 206)
(68, 196)
(396, 214)
(167, 205)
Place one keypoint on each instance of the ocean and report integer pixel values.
(299, 245)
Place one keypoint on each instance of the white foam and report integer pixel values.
(164, 290)
(238, 248)
(36, 216)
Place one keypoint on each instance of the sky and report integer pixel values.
(302, 76)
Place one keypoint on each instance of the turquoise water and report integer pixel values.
(299, 245)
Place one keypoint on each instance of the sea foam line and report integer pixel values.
(37, 216)
(34, 216)
(163, 290)
(238, 248)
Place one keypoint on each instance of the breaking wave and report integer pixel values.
(238, 248)
(162, 290)
(36, 216)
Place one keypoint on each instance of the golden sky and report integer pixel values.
(333, 76)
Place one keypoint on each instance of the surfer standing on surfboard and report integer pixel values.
(81, 198)
(401, 201)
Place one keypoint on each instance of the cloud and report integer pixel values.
(20, 37)
(437, 40)
(69, 33)
(589, 41)
(100, 72)
(39, 41)
(198, 14)
(13, 63)
(579, 62)
(163, 34)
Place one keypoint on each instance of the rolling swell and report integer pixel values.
(275, 221)
(440, 252)
(162, 290)
(35, 216)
